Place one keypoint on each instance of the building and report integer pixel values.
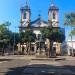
(67, 47)
(39, 23)
(70, 45)
(64, 48)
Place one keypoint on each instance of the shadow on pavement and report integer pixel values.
(5, 59)
(15, 71)
(42, 69)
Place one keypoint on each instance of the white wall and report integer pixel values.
(66, 47)
(69, 43)
(37, 32)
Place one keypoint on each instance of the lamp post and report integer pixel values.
(72, 44)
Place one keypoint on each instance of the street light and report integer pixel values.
(72, 44)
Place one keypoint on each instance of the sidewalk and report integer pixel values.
(32, 57)
(26, 57)
(68, 57)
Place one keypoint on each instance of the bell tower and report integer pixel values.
(53, 15)
(25, 15)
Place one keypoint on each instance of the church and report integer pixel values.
(38, 24)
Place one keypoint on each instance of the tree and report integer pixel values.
(58, 35)
(27, 37)
(14, 40)
(72, 32)
(14, 36)
(46, 33)
(4, 35)
(70, 21)
(54, 35)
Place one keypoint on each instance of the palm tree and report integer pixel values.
(70, 21)
(72, 32)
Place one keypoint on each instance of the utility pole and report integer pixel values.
(72, 44)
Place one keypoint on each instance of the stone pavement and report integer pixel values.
(69, 57)
(23, 64)
(47, 68)
(28, 57)
(13, 67)
(46, 71)
(44, 67)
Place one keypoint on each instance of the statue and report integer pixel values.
(47, 43)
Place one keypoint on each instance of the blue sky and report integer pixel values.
(10, 10)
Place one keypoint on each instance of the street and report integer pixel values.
(24, 66)
(12, 67)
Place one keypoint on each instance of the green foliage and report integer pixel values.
(58, 35)
(7, 35)
(4, 33)
(72, 32)
(54, 34)
(28, 36)
(69, 19)
(14, 37)
(8, 39)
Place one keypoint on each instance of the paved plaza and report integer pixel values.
(19, 65)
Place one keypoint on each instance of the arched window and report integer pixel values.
(24, 16)
(54, 15)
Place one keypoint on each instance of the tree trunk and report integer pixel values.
(50, 52)
(48, 47)
(27, 48)
(3, 50)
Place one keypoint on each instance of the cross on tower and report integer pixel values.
(39, 13)
(26, 2)
(52, 2)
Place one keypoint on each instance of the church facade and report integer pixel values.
(38, 24)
